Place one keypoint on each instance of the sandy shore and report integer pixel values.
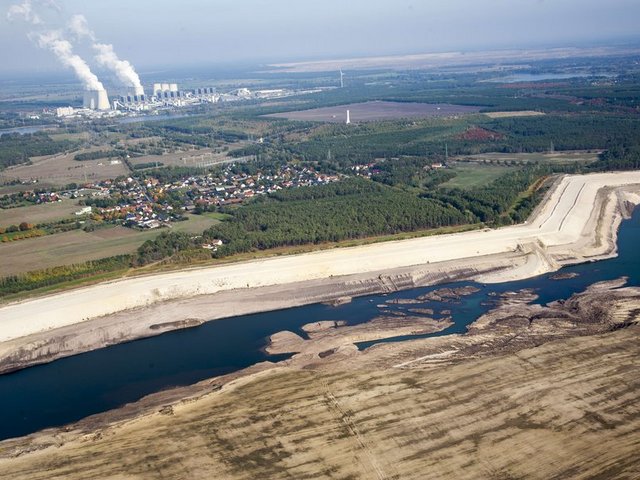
(577, 222)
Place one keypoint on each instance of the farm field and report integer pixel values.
(470, 176)
(374, 111)
(79, 246)
(62, 169)
(556, 157)
(70, 136)
(522, 113)
(42, 213)
(192, 158)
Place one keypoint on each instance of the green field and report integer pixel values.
(79, 246)
(470, 176)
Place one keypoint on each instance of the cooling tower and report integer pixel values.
(173, 87)
(139, 90)
(157, 88)
(96, 100)
(165, 87)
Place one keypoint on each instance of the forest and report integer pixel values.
(16, 149)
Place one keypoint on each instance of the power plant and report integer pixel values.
(96, 100)
(164, 97)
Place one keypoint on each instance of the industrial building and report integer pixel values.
(167, 96)
(96, 100)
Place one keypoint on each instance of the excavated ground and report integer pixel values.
(530, 392)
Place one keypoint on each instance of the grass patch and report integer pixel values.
(471, 176)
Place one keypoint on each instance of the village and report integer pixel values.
(151, 201)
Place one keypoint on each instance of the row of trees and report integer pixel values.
(98, 154)
(56, 275)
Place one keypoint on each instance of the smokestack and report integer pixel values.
(96, 100)
(348, 117)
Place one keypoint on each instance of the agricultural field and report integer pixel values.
(79, 246)
(80, 136)
(203, 157)
(522, 113)
(46, 212)
(525, 158)
(62, 169)
(377, 111)
(471, 176)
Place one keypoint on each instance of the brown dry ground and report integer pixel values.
(522, 113)
(78, 246)
(62, 169)
(556, 157)
(378, 110)
(567, 409)
(46, 212)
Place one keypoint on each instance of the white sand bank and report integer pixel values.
(568, 227)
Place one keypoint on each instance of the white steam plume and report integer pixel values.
(105, 54)
(24, 11)
(62, 49)
(54, 41)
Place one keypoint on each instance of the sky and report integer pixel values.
(208, 32)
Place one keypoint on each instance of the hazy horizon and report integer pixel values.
(253, 32)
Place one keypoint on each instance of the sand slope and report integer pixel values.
(568, 227)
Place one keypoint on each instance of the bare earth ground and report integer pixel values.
(375, 111)
(65, 248)
(523, 113)
(424, 409)
(434, 60)
(42, 213)
(557, 157)
(62, 169)
(190, 158)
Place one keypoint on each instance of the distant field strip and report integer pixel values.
(374, 111)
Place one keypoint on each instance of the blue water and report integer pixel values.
(73, 388)
(151, 118)
(24, 130)
(537, 77)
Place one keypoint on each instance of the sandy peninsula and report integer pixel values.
(577, 222)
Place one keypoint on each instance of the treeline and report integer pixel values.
(163, 246)
(142, 166)
(411, 172)
(503, 201)
(620, 157)
(16, 149)
(81, 157)
(340, 147)
(355, 208)
(57, 275)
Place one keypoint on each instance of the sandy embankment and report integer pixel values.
(577, 222)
